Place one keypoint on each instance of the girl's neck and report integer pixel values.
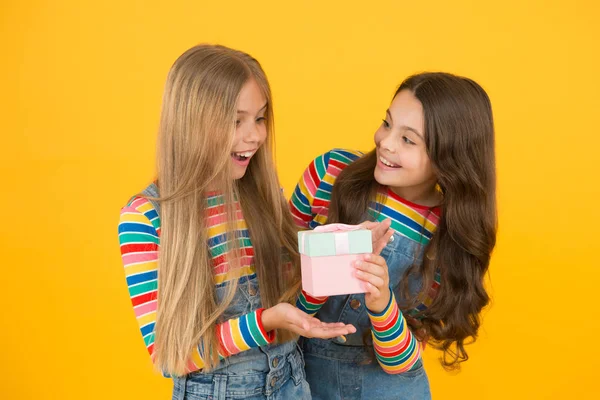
(425, 195)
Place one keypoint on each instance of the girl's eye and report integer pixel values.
(386, 124)
(238, 122)
(261, 119)
(407, 140)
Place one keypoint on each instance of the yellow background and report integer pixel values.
(81, 91)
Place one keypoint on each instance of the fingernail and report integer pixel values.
(357, 263)
(367, 256)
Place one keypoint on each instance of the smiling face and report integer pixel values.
(251, 127)
(402, 160)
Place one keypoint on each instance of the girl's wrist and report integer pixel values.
(268, 320)
(382, 303)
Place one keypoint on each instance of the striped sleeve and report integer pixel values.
(235, 336)
(301, 202)
(243, 333)
(139, 233)
(309, 203)
(139, 240)
(396, 348)
(310, 304)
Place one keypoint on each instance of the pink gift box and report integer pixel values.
(330, 274)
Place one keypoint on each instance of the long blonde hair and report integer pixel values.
(196, 134)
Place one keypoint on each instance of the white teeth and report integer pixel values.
(246, 154)
(386, 162)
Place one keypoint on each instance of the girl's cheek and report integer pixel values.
(378, 136)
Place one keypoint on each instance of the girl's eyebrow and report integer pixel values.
(246, 112)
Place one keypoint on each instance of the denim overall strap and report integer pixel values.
(179, 384)
(152, 191)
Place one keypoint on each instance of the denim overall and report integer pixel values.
(273, 372)
(348, 370)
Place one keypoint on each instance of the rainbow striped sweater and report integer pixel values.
(396, 348)
(139, 237)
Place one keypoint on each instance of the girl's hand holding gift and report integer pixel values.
(373, 270)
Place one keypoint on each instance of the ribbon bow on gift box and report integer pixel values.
(337, 244)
